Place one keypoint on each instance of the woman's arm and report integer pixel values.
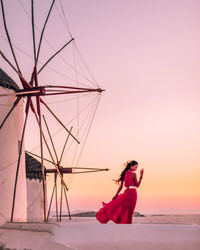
(118, 191)
(137, 183)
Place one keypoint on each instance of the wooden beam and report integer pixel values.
(8, 36)
(74, 88)
(59, 120)
(43, 171)
(61, 194)
(23, 81)
(57, 169)
(65, 146)
(50, 203)
(18, 163)
(43, 29)
(23, 93)
(55, 55)
(54, 149)
(14, 105)
(67, 204)
(33, 31)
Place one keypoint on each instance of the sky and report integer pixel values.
(146, 55)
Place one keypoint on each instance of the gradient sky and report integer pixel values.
(146, 55)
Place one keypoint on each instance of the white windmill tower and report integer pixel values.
(10, 136)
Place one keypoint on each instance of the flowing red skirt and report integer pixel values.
(119, 210)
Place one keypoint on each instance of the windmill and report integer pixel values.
(32, 92)
(63, 171)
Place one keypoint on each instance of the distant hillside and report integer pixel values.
(84, 214)
(137, 214)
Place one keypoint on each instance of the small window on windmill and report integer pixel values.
(19, 143)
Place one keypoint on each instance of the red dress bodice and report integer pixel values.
(128, 179)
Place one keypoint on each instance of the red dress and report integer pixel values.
(122, 208)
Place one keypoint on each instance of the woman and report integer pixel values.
(120, 210)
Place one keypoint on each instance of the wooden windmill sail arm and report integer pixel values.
(74, 88)
(70, 170)
(69, 92)
(57, 169)
(67, 170)
(38, 156)
(24, 82)
(8, 37)
(42, 90)
(43, 29)
(55, 55)
(65, 146)
(12, 66)
(14, 105)
(22, 93)
(41, 100)
(57, 90)
(33, 30)
(93, 169)
(90, 171)
(52, 143)
(35, 92)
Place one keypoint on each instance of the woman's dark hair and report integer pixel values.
(127, 167)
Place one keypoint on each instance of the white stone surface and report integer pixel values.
(94, 236)
(10, 135)
(112, 236)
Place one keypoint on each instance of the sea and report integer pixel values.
(186, 217)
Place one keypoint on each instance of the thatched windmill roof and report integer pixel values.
(33, 168)
(7, 82)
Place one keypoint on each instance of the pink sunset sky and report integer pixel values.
(146, 55)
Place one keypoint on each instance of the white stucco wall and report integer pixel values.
(10, 135)
(35, 201)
